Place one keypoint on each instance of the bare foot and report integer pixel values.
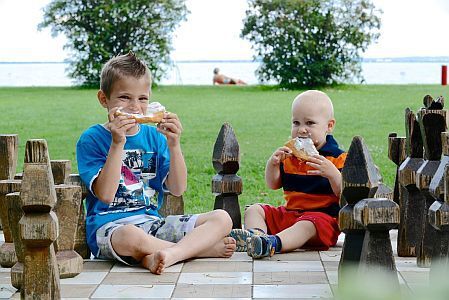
(223, 248)
(155, 262)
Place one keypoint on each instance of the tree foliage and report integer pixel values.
(310, 42)
(97, 30)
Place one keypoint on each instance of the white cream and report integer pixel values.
(307, 145)
(154, 107)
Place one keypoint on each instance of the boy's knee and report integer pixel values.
(128, 233)
(224, 218)
(253, 210)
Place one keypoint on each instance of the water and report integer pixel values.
(200, 73)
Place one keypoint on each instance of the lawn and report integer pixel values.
(260, 117)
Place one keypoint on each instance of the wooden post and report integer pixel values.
(172, 205)
(396, 153)
(360, 180)
(15, 212)
(410, 195)
(378, 216)
(432, 123)
(67, 209)
(9, 147)
(80, 240)
(439, 211)
(8, 256)
(61, 171)
(39, 224)
(226, 185)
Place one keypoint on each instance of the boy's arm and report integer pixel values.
(327, 169)
(272, 170)
(177, 177)
(106, 184)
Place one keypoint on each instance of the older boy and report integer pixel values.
(127, 166)
(311, 189)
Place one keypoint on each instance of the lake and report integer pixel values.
(200, 73)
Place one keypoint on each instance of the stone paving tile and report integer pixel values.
(237, 256)
(330, 265)
(142, 278)
(299, 255)
(77, 291)
(284, 278)
(133, 291)
(97, 265)
(212, 290)
(118, 267)
(331, 255)
(286, 266)
(292, 291)
(216, 278)
(85, 278)
(214, 266)
(415, 277)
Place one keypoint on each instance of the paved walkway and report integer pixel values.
(297, 275)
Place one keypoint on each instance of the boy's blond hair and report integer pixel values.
(119, 67)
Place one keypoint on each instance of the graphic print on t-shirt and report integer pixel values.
(134, 191)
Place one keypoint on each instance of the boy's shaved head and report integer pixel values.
(316, 98)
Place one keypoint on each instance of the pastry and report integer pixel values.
(302, 148)
(155, 114)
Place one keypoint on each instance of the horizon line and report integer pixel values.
(363, 59)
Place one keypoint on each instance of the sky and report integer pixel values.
(212, 31)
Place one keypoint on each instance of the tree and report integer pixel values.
(97, 30)
(310, 42)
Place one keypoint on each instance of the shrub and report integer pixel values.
(97, 30)
(310, 42)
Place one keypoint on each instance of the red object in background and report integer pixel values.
(443, 75)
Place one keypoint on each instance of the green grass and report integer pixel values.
(260, 117)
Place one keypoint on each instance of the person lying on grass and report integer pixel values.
(127, 166)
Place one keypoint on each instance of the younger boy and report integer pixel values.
(311, 189)
(127, 167)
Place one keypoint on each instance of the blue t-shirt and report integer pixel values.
(145, 165)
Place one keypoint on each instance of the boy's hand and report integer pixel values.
(171, 127)
(119, 125)
(279, 155)
(323, 166)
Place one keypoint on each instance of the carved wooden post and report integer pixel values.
(8, 164)
(61, 171)
(396, 153)
(39, 224)
(360, 180)
(439, 210)
(410, 195)
(80, 240)
(9, 144)
(172, 205)
(7, 251)
(432, 122)
(226, 185)
(378, 216)
(67, 209)
(14, 205)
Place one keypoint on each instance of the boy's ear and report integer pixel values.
(102, 98)
(330, 125)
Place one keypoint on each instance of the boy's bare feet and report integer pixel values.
(155, 262)
(224, 248)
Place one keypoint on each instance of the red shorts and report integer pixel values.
(279, 219)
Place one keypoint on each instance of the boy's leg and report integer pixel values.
(129, 240)
(206, 239)
(287, 240)
(254, 224)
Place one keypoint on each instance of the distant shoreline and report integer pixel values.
(417, 59)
